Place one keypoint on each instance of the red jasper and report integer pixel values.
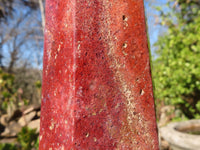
(97, 87)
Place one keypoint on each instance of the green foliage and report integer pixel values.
(15, 92)
(177, 67)
(38, 84)
(29, 81)
(8, 94)
(27, 139)
(8, 147)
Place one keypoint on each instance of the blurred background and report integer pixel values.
(174, 35)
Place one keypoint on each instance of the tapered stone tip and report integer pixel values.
(97, 87)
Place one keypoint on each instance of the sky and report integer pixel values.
(154, 30)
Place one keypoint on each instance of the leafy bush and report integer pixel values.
(27, 139)
(177, 67)
(8, 94)
(8, 147)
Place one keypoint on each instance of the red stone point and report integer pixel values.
(97, 88)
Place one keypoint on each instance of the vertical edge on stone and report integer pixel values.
(58, 89)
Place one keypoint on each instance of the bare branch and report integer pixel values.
(42, 13)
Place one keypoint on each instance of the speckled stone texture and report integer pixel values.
(97, 88)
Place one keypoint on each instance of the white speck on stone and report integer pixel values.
(142, 92)
(124, 53)
(63, 147)
(40, 137)
(125, 45)
(58, 48)
(79, 45)
(95, 139)
(52, 126)
(87, 135)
